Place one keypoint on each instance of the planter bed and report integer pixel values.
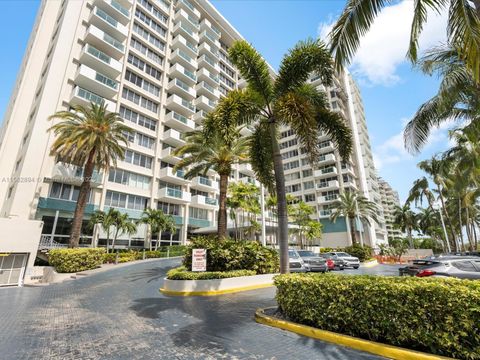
(216, 286)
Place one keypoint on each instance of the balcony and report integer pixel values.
(174, 196)
(188, 7)
(199, 223)
(322, 214)
(175, 177)
(96, 59)
(102, 85)
(180, 105)
(210, 37)
(328, 185)
(72, 174)
(63, 205)
(204, 103)
(247, 180)
(81, 96)
(177, 86)
(204, 88)
(167, 155)
(204, 184)
(208, 50)
(206, 25)
(104, 42)
(108, 23)
(210, 64)
(327, 199)
(183, 16)
(330, 171)
(187, 31)
(204, 202)
(350, 184)
(246, 169)
(348, 170)
(173, 137)
(205, 75)
(180, 122)
(327, 147)
(187, 76)
(181, 57)
(191, 49)
(199, 116)
(327, 159)
(118, 9)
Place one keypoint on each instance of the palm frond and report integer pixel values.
(334, 126)
(354, 22)
(307, 57)
(261, 155)
(253, 69)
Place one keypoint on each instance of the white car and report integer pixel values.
(350, 261)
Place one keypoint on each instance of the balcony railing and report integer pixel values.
(102, 14)
(98, 54)
(181, 118)
(204, 181)
(114, 42)
(174, 193)
(88, 95)
(120, 8)
(211, 201)
(106, 81)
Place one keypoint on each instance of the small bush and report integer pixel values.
(439, 316)
(75, 260)
(181, 273)
(228, 255)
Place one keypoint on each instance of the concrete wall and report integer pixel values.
(21, 236)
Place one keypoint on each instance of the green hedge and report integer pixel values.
(75, 260)
(132, 255)
(227, 255)
(439, 316)
(181, 273)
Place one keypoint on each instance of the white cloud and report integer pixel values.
(385, 45)
(392, 150)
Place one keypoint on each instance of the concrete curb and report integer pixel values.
(388, 351)
(216, 286)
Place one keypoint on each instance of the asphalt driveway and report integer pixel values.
(120, 314)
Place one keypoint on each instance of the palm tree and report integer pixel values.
(462, 28)
(421, 190)
(90, 138)
(458, 97)
(287, 100)
(205, 150)
(105, 220)
(406, 220)
(300, 216)
(123, 225)
(169, 225)
(244, 197)
(353, 205)
(151, 218)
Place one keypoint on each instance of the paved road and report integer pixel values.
(120, 314)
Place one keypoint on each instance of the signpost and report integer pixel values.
(199, 260)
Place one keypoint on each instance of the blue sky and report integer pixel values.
(391, 89)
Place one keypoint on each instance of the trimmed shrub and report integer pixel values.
(439, 316)
(75, 260)
(227, 255)
(181, 273)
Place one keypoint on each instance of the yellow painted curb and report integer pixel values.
(388, 351)
(370, 263)
(214, 292)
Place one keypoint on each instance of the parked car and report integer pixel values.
(312, 261)
(296, 263)
(333, 262)
(350, 261)
(462, 267)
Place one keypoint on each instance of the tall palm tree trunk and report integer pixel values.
(115, 238)
(352, 230)
(460, 224)
(281, 200)
(410, 239)
(453, 242)
(222, 208)
(82, 201)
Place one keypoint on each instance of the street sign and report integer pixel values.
(199, 260)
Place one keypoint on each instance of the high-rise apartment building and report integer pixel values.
(390, 201)
(161, 65)
(321, 185)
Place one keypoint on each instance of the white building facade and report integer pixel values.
(161, 65)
